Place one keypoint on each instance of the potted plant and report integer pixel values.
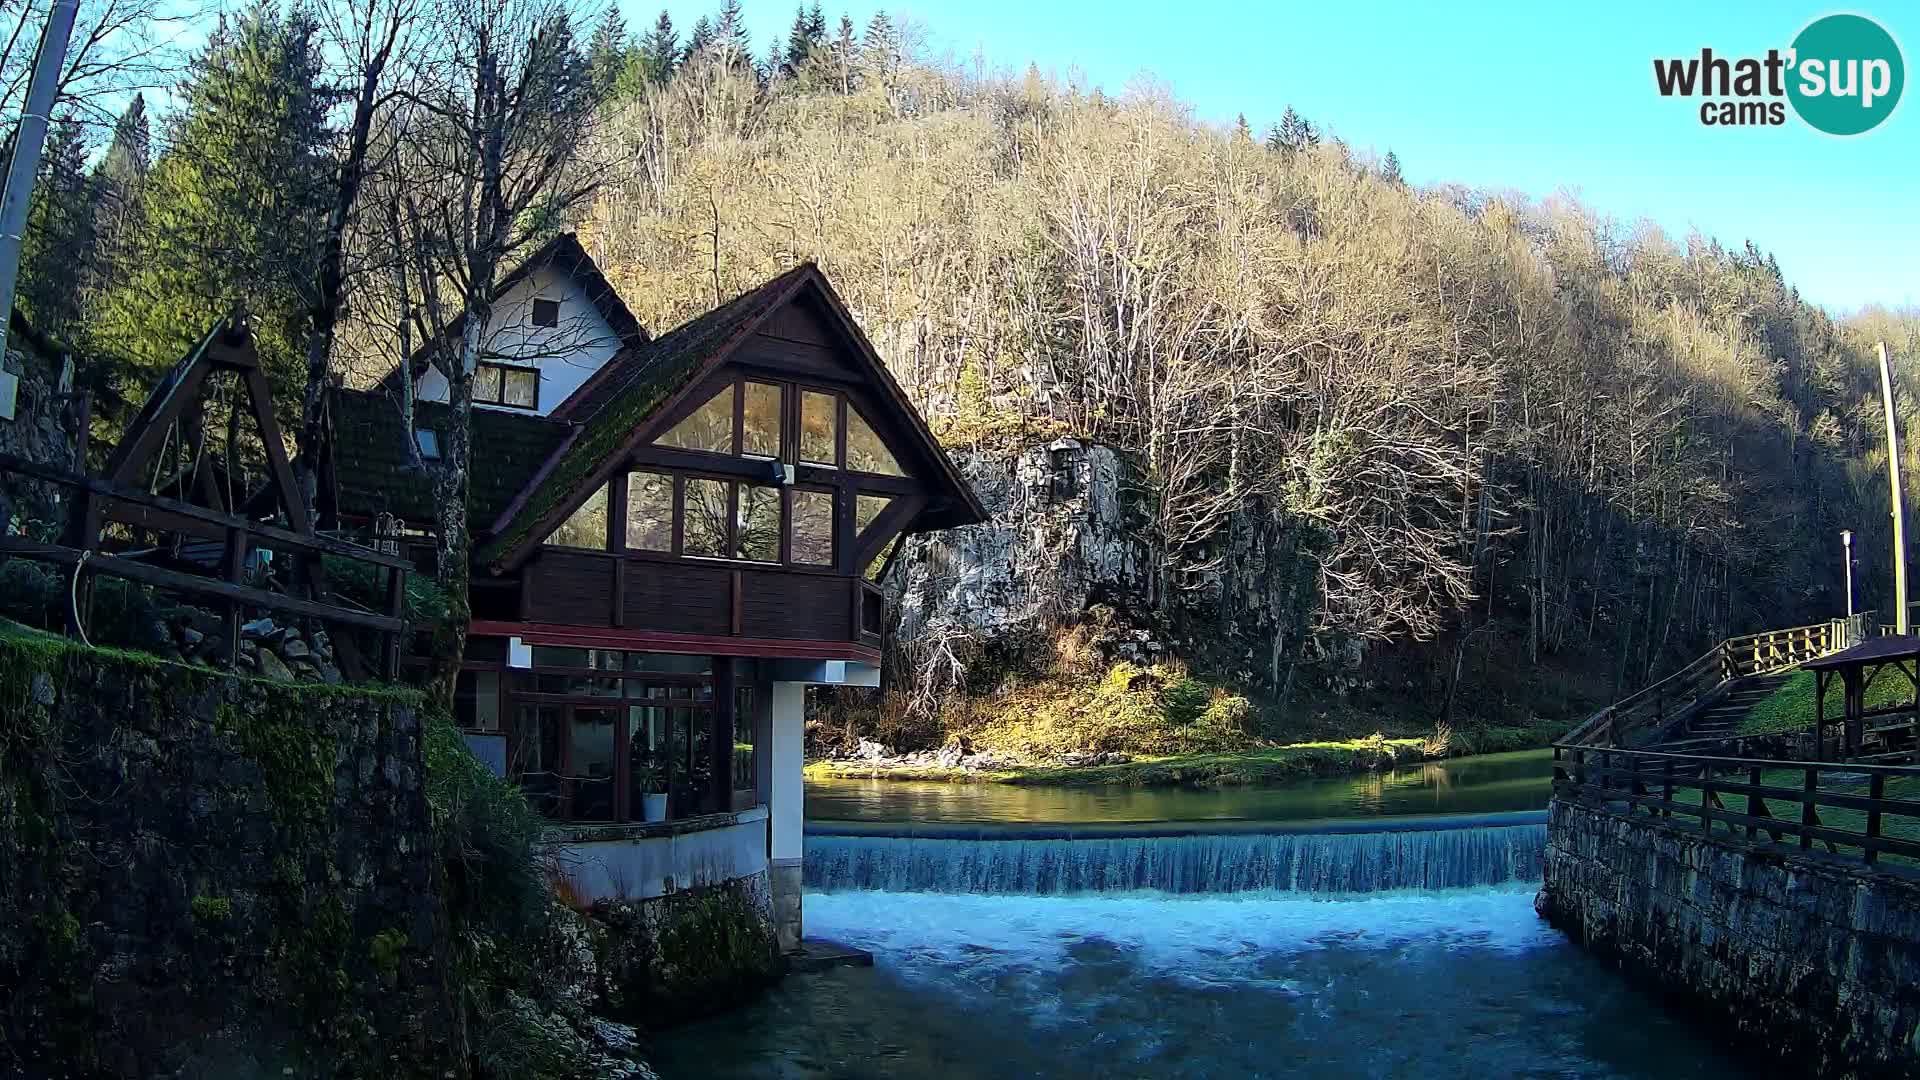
(650, 780)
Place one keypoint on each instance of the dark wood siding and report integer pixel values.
(782, 605)
(797, 359)
(800, 322)
(571, 588)
(679, 598)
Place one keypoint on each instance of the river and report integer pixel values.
(1485, 784)
(1336, 936)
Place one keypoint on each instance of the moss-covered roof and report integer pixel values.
(656, 371)
(373, 471)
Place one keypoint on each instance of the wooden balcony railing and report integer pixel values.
(1854, 811)
(1648, 712)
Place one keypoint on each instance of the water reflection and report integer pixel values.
(1488, 783)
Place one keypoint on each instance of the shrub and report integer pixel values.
(1186, 698)
(486, 833)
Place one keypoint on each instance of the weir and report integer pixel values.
(1357, 856)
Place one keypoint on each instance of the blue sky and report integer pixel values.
(1528, 96)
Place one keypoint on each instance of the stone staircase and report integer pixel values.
(1719, 721)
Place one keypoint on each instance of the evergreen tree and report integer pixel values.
(1292, 130)
(114, 193)
(57, 247)
(700, 40)
(801, 40)
(1241, 132)
(816, 24)
(233, 208)
(845, 53)
(1276, 138)
(880, 49)
(730, 32)
(607, 51)
(660, 49)
(1390, 168)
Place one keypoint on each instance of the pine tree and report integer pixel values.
(1276, 137)
(845, 53)
(730, 33)
(1292, 131)
(660, 49)
(607, 51)
(801, 40)
(114, 192)
(1241, 132)
(57, 247)
(700, 40)
(880, 49)
(232, 210)
(816, 24)
(1390, 168)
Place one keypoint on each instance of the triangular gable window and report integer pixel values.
(865, 451)
(710, 427)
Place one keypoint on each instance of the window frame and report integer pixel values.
(505, 369)
(534, 309)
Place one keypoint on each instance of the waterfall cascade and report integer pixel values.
(1429, 854)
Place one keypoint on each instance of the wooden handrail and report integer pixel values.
(1735, 657)
(1624, 781)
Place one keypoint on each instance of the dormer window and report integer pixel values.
(546, 313)
(502, 384)
(428, 440)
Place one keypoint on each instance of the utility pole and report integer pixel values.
(1893, 482)
(28, 138)
(1846, 545)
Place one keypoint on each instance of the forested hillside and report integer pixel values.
(1488, 433)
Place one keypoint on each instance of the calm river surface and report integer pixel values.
(1476, 785)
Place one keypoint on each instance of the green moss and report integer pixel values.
(212, 909)
(385, 951)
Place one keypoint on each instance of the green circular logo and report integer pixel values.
(1847, 74)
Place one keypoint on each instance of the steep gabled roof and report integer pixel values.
(612, 413)
(373, 471)
(565, 254)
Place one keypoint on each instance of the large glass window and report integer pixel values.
(760, 421)
(758, 537)
(709, 428)
(865, 451)
(813, 527)
(649, 511)
(587, 527)
(865, 509)
(819, 428)
(708, 511)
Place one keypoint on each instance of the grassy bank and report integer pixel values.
(1790, 708)
(1253, 766)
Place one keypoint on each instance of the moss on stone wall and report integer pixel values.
(232, 874)
(688, 953)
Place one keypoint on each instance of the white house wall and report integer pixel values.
(566, 354)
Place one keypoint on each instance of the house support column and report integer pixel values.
(785, 804)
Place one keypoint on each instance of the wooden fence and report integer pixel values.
(239, 536)
(1851, 810)
(1651, 711)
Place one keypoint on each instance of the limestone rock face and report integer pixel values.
(37, 432)
(1069, 543)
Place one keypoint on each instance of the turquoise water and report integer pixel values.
(1366, 927)
(1463, 983)
(1488, 783)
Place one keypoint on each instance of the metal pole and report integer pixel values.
(1846, 544)
(1894, 494)
(28, 139)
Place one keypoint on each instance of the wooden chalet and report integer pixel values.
(673, 536)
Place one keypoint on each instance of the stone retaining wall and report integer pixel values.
(206, 875)
(1806, 959)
